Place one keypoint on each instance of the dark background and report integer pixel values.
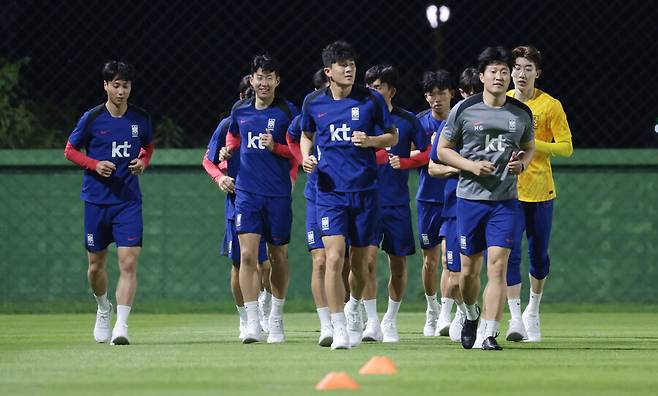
(600, 56)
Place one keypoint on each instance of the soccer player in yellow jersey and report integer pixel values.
(536, 191)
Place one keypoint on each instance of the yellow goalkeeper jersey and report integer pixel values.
(552, 137)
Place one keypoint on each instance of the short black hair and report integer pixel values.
(384, 73)
(117, 70)
(469, 81)
(336, 52)
(320, 79)
(245, 87)
(441, 79)
(492, 55)
(265, 62)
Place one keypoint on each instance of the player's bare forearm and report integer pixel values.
(441, 170)
(450, 157)
(305, 145)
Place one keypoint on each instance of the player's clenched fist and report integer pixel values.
(105, 168)
(309, 164)
(360, 139)
(482, 168)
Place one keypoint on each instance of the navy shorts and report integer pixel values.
(270, 217)
(120, 223)
(231, 245)
(482, 224)
(429, 223)
(313, 233)
(351, 214)
(453, 261)
(395, 233)
(537, 222)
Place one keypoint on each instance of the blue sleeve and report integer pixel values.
(307, 121)
(382, 115)
(419, 136)
(294, 129)
(233, 128)
(80, 135)
(217, 141)
(147, 138)
(435, 145)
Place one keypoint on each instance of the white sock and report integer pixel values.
(392, 311)
(446, 306)
(277, 306)
(490, 328)
(371, 309)
(338, 319)
(514, 305)
(533, 303)
(268, 296)
(325, 317)
(353, 303)
(252, 310)
(122, 315)
(103, 302)
(461, 307)
(432, 304)
(471, 311)
(242, 311)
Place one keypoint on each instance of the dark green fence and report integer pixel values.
(604, 243)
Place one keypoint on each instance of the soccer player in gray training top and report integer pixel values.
(496, 136)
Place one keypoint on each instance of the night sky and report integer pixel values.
(599, 56)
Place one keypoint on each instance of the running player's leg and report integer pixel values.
(97, 238)
(516, 329)
(429, 220)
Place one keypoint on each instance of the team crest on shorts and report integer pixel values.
(238, 219)
(449, 257)
(325, 224)
(355, 114)
(90, 239)
(230, 247)
(310, 237)
(425, 238)
(135, 130)
(462, 242)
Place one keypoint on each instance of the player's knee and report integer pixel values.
(248, 257)
(539, 272)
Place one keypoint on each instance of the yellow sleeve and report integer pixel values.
(562, 145)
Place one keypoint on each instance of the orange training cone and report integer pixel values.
(379, 365)
(337, 380)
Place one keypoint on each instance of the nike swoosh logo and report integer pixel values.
(321, 114)
(243, 121)
(132, 238)
(104, 132)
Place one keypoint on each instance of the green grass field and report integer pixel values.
(198, 354)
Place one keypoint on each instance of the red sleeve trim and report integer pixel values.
(211, 169)
(381, 156)
(78, 157)
(422, 159)
(283, 151)
(145, 154)
(295, 149)
(232, 141)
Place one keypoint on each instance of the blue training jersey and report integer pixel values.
(394, 183)
(342, 166)
(114, 139)
(430, 189)
(217, 141)
(450, 187)
(261, 171)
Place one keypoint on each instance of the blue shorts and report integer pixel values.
(453, 260)
(482, 224)
(429, 223)
(270, 217)
(537, 223)
(351, 214)
(230, 247)
(120, 223)
(313, 234)
(395, 234)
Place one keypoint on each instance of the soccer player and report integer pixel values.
(536, 190)
(263, 191)
(313, 234)
(223, 173)
(469, 84)
(394, 231)
(439, 91)
(342, 120)
(495, 133)
(116, 138)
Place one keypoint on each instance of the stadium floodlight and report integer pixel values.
(436, 15)
(444, 14)
(432, 16)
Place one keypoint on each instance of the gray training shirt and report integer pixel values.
(485, 133)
